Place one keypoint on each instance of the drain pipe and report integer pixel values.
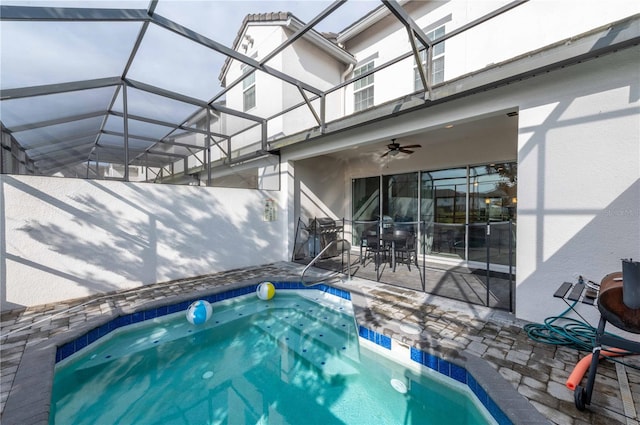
(345, 75)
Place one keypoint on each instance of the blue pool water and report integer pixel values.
(289, 360)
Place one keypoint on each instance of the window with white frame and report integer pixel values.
(363, 88)
(248, 88)
(437, 71)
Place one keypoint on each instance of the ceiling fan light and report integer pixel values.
(393, 153)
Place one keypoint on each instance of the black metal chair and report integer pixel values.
(372, 246)
(405, 247)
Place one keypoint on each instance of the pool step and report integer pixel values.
(304, 311)
(327, 350)
(334, 332)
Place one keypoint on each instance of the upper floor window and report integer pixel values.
(363, 88)
(248, 89)
(437, 71)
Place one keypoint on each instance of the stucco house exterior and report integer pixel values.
(541, 99)
(537, 98)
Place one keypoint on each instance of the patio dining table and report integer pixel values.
(392, 238)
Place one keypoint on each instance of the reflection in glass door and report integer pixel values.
(492, 201)
(443, 208)
(365, 194)
(400, 201)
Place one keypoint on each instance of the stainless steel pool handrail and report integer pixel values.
(329, 245)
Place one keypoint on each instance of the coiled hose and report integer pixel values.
(571, 333)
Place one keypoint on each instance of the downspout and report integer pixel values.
(345, 75)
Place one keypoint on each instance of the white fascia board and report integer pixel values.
(322, 43)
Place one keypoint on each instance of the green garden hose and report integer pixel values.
(570, 333)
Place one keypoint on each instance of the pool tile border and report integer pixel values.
(77, 344)
(375, 337)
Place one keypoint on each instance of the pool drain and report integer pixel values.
(410, 328)
(399, 386)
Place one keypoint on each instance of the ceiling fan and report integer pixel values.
(395, 148)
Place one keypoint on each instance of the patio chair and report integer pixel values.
(405, 247)
(371, 244)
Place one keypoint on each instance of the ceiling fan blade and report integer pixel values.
(403, 150)
(412, 146)
(384, 154)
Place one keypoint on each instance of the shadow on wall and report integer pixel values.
(106, 236)
(319, 188)
(593, 252)
(588, 143)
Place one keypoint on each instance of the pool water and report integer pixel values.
(289, 360)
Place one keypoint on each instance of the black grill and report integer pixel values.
(323, 231)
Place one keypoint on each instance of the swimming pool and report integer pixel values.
(288, 360)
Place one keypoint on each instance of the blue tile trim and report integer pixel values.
(460, 374)
(375, 337)
(93, 335)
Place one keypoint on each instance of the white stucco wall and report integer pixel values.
(579, 178)
(303, 61)
(266, 39)
(320, 183)
(526, 28)
(69, 238)
(311, 65)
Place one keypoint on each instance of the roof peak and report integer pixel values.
(271, 17)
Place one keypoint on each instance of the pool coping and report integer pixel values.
(30, 397)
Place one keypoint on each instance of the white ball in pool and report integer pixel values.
(199, 312)
(265, 291)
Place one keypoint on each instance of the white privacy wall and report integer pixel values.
(69, 238)
(578, 178)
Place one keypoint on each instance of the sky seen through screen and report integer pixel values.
(78, 47)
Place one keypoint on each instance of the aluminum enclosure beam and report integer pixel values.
(56, 121)
(46, 89)
(405, 19)
(28, 13)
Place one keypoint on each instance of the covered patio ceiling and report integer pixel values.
(490, 126)
(115, 85)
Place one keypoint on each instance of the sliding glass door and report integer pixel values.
(455, 206)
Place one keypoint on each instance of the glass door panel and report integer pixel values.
(400, 201)
(492, 201)
(365, 194)
(443, 209)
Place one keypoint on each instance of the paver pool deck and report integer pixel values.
(449, 328)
